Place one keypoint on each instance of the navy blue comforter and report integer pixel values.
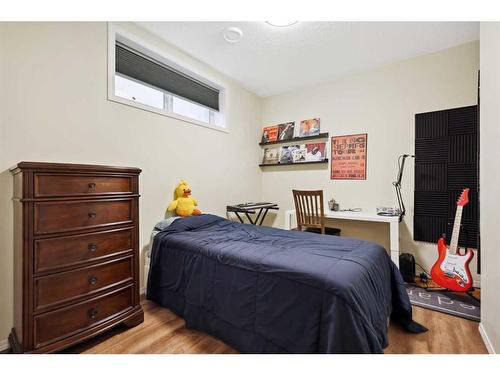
(267, 290)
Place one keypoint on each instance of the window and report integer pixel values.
(189, 109)
(145, 79)
(138, 92)
(141, 93)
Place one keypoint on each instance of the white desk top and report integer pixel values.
(361, 215)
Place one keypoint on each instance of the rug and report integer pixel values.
(457, 304)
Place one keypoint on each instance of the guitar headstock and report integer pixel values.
(464, 198)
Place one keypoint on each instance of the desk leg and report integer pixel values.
(288, 221)
(394, 233)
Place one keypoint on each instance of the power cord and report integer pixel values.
(424, 276)
(427, 274)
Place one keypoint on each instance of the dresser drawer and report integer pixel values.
(60, 185)
(68, 321)
(63, 287)
(54, 253)
(53, 217)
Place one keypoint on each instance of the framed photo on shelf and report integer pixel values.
(286, 131)
(309, 127)
(349, 156)
(286, 154)
(271, 155)
(315, 151)
(299, 154)
(270, 134)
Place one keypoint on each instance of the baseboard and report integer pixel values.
(4, 345)
(486, 339)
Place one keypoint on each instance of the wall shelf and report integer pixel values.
(324, 161)
(295, 139)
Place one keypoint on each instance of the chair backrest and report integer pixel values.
(309, 209)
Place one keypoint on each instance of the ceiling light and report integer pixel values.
(281, 23)
(232, 34)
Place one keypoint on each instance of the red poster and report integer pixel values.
(349, 157)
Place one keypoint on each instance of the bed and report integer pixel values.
(268, 290)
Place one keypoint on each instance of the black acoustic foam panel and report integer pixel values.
(446, 162)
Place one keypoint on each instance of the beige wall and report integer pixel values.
(382, 103)
(490, 181)
(57, 110)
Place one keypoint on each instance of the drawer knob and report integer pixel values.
(92, 247)
(92, 215)
(93, 280)
(91, 185)
(93, 313)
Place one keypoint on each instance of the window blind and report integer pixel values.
(135, 65)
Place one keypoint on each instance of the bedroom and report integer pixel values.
(160, 102)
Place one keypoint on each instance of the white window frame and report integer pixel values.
(115, 34)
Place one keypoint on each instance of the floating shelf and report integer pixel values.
(295, 139)
(300, 163)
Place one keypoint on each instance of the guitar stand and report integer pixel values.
(470, 292)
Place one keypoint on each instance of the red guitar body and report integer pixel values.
(451, 269)
(461, 279)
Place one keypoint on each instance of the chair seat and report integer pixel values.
(329, 231)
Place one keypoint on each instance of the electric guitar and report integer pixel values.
(451, 270)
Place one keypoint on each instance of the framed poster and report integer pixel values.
(349, 157)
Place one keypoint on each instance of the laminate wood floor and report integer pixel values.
(164, 332)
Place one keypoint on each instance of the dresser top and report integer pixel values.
(61, 167)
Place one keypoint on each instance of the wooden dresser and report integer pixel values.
(76, 259)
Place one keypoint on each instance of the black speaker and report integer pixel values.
(407, 267)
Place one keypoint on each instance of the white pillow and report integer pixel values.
(164, 224)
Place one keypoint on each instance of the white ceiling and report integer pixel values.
(271, 60)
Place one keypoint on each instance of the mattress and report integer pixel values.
(267, 290)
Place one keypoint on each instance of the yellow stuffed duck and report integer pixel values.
(183, 204)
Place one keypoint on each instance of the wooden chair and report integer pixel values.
(309, 210)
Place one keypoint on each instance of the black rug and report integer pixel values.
(458, 304)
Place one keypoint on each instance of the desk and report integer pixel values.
(393, 222)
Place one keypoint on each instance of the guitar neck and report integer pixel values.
(456, 230)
